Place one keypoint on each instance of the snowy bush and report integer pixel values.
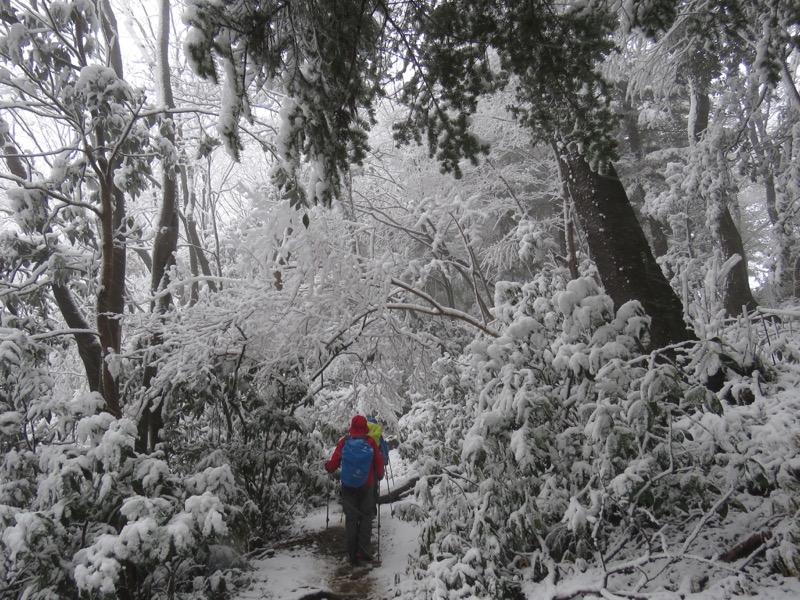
(560, 448)
(82, 514)
(224, 413)
(102, 518)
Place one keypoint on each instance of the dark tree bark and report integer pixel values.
(572, 253)
(737, 294)
(88, 346)
(701, 112)
(797, 278)
(111, 297)
(165, 244)
(771, 198)
(746, 547)
(620, 250)
(398, 493)
(151, 419)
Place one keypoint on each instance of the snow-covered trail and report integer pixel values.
(311, 563)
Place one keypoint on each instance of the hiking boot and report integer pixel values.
(364, 557)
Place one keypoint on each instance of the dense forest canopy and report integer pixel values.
(551, 245)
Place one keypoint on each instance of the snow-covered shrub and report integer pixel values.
(560, 447)
(231, 415)
(104, 519)
(23, 381)
(81, 513)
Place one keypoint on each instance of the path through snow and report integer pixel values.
(311, 564)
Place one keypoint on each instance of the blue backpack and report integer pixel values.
(357, 457)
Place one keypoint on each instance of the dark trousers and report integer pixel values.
(358, 506)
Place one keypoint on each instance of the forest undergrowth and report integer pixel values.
(561, 461)
(558, 460)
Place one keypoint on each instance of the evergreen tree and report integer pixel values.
(323, 55)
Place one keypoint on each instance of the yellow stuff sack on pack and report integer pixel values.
(375, 432)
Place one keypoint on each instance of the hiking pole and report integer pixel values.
(389, 495)
(391, 472)
(379, 528)
(328, 503)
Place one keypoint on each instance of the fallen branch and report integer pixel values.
(399, 492)
(747, 547)
(323, 595)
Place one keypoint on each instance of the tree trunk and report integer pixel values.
(89, 348)
(699, 112)
(166, 241)
(110, 301)
(780, 229)
(737, 293)
(771, 197)
(195, 243)
(572, 253)
(738, 297)
(797, 277)
(151, 419)
(111, 297)
(620, 250)
(768, 159)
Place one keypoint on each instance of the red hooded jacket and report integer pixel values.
(359, 428)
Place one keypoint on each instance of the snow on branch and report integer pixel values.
(438, 309)
(57, 332)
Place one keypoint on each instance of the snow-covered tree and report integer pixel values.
(725, 67)
(66, 96)
(558, 459)
(324, 56)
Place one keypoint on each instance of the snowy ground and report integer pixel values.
(312, 563)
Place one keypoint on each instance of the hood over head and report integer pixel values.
(358, 426)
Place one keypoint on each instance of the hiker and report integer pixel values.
(362, 465)
(376, 433)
